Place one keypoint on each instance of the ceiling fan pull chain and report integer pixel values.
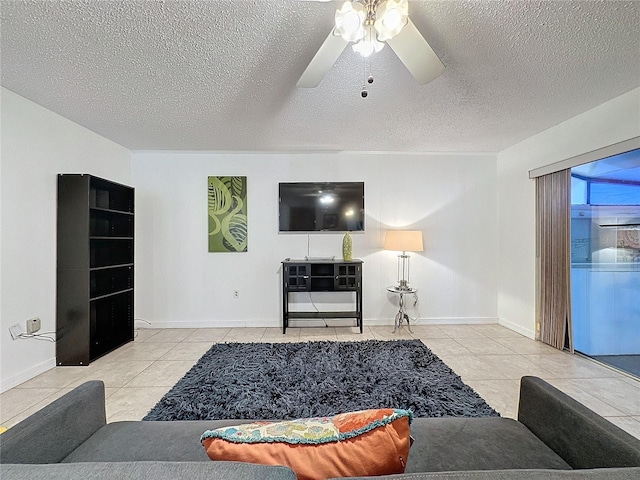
(364, 93)
(364, 69)
(370, 76)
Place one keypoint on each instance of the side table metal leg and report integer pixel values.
(397, 321)
(402, 315)
(406, 317)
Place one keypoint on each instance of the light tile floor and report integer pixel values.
(489, 358)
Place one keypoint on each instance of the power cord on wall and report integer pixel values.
(135, 330)
(45, 335)
(38, 336)
(326, 325)
(417, 310)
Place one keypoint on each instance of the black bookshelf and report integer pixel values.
(95, 268)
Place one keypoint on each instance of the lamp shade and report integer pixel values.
(403, 240)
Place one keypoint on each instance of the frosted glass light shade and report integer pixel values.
(350, 21)
(404, 240)
(368, 44)
(391, 17)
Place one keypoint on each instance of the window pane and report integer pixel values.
(614, 194)
(578, 191)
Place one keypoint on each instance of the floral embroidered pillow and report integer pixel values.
(354, 444)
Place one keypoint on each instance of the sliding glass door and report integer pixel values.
(605, 260)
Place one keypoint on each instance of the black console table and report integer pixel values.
(321, 276)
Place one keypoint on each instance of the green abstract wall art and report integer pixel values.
(227, 206)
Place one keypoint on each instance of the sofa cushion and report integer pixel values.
(146, 471)
(542, 474)
(441, 444)
(450, 444)
(147, 441)
(367, 442)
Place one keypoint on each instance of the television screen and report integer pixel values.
(322, 206)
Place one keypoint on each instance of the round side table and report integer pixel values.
(401, 316)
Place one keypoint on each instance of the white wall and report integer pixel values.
(36, 145)
(463, 203)
(609, 123)
(452, 198)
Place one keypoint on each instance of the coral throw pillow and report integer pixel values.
(355, 444)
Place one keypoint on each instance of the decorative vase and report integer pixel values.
(346, 247)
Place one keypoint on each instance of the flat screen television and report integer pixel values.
(322, 207)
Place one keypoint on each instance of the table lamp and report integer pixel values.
(403, 241)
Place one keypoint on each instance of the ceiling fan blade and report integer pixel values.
(322, 61)
(416, 54)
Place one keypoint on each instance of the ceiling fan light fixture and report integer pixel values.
(368, 44)
(369, 24)
(391, 17)
(350, 20)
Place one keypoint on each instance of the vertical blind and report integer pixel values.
(553, 212)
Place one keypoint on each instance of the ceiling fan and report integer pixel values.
(368, 24)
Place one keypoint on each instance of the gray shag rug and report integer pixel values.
(271, 381)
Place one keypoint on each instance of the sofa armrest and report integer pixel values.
(52, 433)
(580, 436)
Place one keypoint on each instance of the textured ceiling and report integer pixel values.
(221, 75)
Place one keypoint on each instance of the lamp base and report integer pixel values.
(403, 272)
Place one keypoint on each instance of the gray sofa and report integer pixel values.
(555, 437)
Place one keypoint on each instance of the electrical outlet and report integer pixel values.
(33, 325)
(236, 294)
(15, 331)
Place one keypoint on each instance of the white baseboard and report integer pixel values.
(456, 321)
(314, 322)
(28, 374)
(517, 328)
(200, 324)
(251, 324)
